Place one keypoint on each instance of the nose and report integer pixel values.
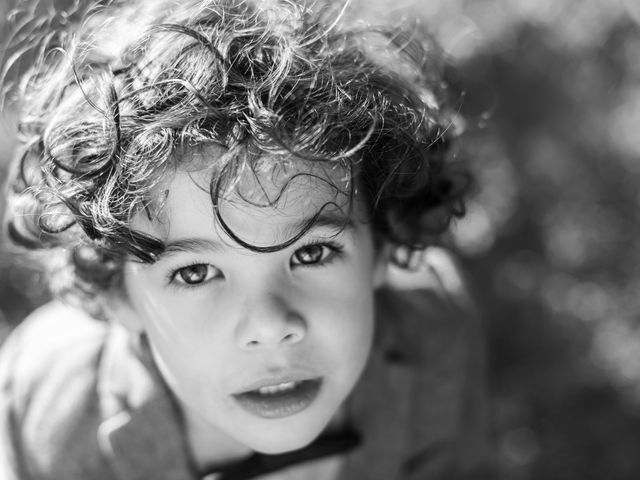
(269, 320)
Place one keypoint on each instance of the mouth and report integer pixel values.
(280, 398)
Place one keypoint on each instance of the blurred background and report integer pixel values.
(552, 90)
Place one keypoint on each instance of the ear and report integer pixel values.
(118, 309)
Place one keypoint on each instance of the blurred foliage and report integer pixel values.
(549, 239)
(552, 91)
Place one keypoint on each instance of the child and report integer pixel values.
(235, 197)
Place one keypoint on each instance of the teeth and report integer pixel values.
(282, 387)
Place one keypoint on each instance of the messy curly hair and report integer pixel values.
(115, 97)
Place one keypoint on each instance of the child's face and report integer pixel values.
(261, 348)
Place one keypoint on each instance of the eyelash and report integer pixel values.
(173, 275)
(335, 251)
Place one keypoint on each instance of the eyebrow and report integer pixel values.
(190, 245)
(331, 220)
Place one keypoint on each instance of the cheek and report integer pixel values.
(344, 317)
(188, 362)
(180, 332)
(162, 314)
(356, 294)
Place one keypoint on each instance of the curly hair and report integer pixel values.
(112, 101)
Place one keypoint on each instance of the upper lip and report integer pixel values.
(273, 381)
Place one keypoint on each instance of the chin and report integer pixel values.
(272, 442)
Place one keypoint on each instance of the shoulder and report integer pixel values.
(61, 323)
(428, 319)
(429, 362)
(54, 338)
(48, 374)
(427, 307)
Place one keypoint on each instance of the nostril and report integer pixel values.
(270, 329)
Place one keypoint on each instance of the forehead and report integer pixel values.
(263, 201)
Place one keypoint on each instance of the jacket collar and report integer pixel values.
(141, 434)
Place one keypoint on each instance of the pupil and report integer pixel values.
(310, 254)
(194, 273)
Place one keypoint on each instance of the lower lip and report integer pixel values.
(283, 404)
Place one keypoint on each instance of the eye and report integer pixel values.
(194, 274)
(315, 254)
